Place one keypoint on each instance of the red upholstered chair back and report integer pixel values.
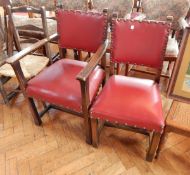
(141, 43)
(81, 30)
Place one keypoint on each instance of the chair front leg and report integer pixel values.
(87, 124)
(95, 133)
(35, 114)
(85, 111)
(153, 146)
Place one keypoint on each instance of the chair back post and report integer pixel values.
(90, 4)
(12, 28)
(137, 6)
(112, 64)
(103, 60)
(46, 34)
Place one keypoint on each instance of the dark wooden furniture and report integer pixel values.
(57, 84)
(24, 28)
(31, 64)
(123, 7)
(133, 103)
(178, 119)
(171, 11)
(4, 53)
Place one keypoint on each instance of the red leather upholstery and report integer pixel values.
(83, 31)
(131, 101)
(57, 84)
(141, 43)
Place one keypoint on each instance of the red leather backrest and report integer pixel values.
(141, 43)
(81, 30)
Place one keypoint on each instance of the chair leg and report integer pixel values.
(95, 134)
(88, 132)
(153, 146)
(35, 114)
(162, 142)
(3, 93)
(76, 56)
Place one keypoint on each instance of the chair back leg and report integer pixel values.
(3, 93)
(153, 146)
(35, 114)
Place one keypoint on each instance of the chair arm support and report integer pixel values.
(95, 59)
(30, 49)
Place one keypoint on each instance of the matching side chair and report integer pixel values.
(57, 84)
(127, 102)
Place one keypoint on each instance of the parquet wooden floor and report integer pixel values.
(58, 147)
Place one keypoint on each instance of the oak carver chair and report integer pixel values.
(57, 85)
(127, 102)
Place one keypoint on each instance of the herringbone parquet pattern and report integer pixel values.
(58, 147)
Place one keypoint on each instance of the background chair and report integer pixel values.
(171, 11)
(57, 84)
(25, 18)
(123, 7)
(133, 103)
(32, 30)
(82, 5)
(178, 119)
(4, 53)
(31, 64)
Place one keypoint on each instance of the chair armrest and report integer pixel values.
(14, 60)
(94, 60)
(30, 49)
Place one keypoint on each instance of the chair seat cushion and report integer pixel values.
(172, 48)
(57, 84)
(31, 65)
(37, 22)
(130, 101)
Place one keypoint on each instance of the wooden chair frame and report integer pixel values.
(97, 125)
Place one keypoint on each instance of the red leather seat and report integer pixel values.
(116, 103)
(57, 84)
